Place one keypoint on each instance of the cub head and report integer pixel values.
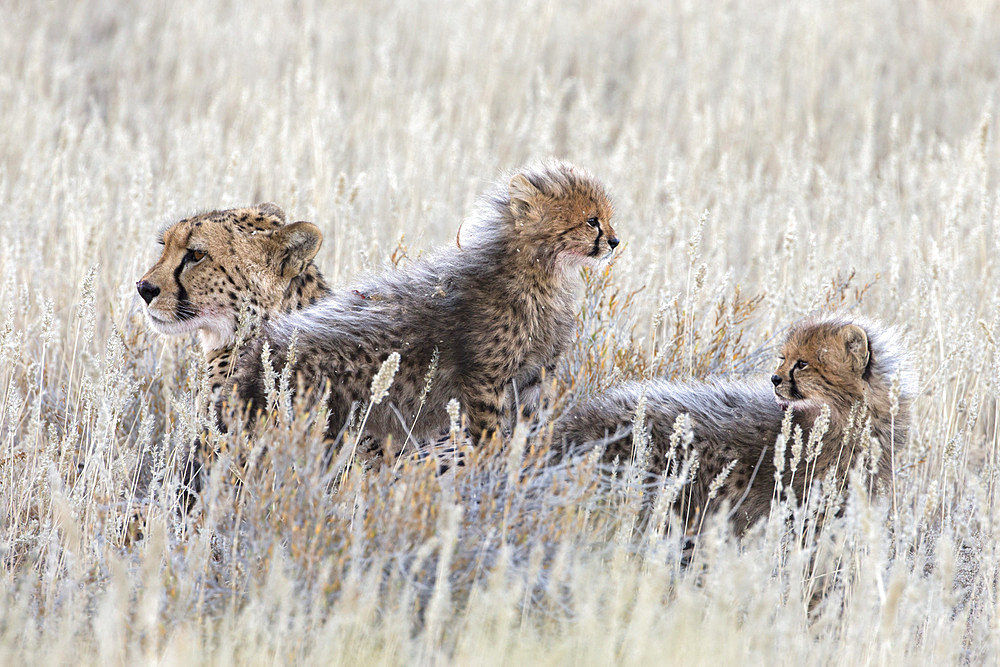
(823, 362)
(211, 261)
(562, 211)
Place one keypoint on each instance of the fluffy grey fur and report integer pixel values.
(497, 310)
(741, 419)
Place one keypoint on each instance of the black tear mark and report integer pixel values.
(184, 311)
(597, 243)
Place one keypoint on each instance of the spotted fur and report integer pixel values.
(846, 364)
(215, 264)
(496, 310)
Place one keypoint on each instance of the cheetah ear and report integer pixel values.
(521, 189)
(272, 211)
(292, 247)
(856, 345)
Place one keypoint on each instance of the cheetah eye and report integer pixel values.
(195, 256)
(800, 364)
(593, 222)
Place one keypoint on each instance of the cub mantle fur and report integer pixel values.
(494, 310)
(848, 365)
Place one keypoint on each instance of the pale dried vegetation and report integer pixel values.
(766, 160)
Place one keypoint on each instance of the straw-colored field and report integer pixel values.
(801, 155)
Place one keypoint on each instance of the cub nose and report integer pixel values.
(775, 379)
(613, 242)
(147, 290)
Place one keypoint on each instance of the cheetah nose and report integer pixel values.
(613, 242)
(147, 290)
(775, 379)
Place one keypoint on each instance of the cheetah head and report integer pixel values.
(218, 264)
(563, 212)
(823, 362)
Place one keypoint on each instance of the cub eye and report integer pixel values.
(800, 364)
(196, 256)
(593, 222)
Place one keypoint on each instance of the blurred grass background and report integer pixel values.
(808, 155)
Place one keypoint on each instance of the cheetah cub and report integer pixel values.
(834, 371)
(494, 311)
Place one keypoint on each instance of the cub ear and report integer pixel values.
(292, 247)
(272, 211)
(856, 345)
(521, 189)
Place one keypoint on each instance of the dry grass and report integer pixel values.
(766, 161)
